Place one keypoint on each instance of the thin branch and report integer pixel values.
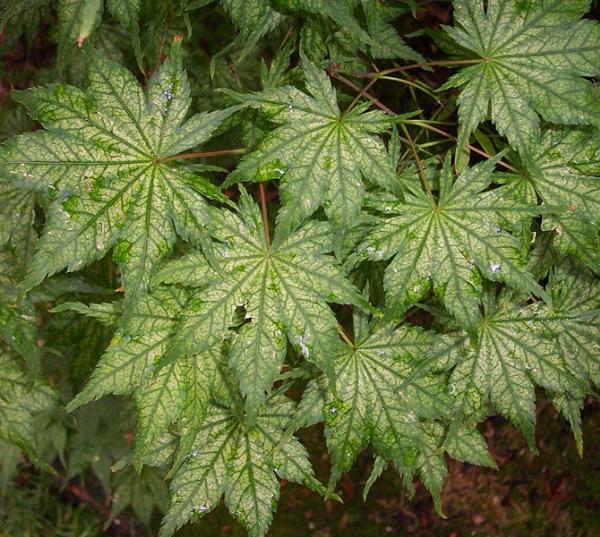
(440, 63)
(419, 162)
(455, 139)
(371, 98)
(204, 154)
(345, 336)
(265, 218)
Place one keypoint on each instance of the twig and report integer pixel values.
(420, 167)
(455, 139)
(204, 154)
(265, 217)
(345, 336)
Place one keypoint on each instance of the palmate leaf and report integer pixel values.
(375, 401)
(102, 156)
(20, 400)
(519, 347)
(283, 287)
(176, 392)
(564, 169)
(229, 457)
(448, 244)
(319, 153)
(532, 60)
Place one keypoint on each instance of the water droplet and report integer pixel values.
(411, 417)
(381, 353)
(303, 347)
(168, 92)
(290, 105)
(495, 267)
(387, 209)
(200, 509)
(371, 250)
(498, 229)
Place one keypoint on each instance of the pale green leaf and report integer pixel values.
(530, 59)
(319, 153)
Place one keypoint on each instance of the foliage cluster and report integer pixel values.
(340, 262)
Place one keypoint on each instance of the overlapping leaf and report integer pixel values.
(519, 346)
(283, 287)
(375, 401)
(319, 153)
(564, 170)
(102, 155)
(77, 19)
(529, 61)
(238, 461)
(20, 400)
(448, 244)
(177, 392)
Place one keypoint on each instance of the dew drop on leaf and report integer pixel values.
(303, 346)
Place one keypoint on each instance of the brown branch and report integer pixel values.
(455, 139)
(265, 217)
(345, 336)
(203, 154)
(422, 124)
(422, 173)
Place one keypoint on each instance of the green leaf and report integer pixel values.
(283, 288)
(385, 41)
(564, 170)
(240, 462)
(450, 243)
(375, 401)
(77, 19)
(529, 61)
(107, 313)
(573, 322)
(516, 348)
(143, 492)
(20, 400)
(319, 153)
(17, 216)
(466, 444)
(102, 156)
(130, 358)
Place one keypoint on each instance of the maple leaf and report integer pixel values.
(374, 400)
(163, 395)
(283, 287)
(519, 346)
(102, 156)
(564, 170)
(529, 60)
(450, 243)
(319, 153)
(379, 37)
(229, 457)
